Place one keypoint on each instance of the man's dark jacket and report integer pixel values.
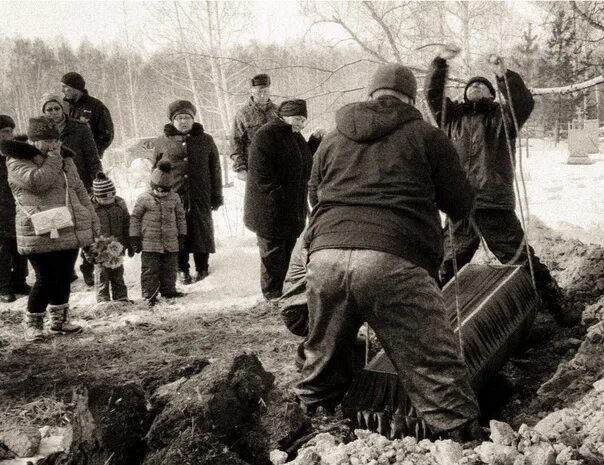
(279, 165)
(378, 181)
(78, 137)
(91, 110)
(197, 180)
(248, 120)
(478, 133)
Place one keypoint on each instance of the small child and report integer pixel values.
(158, 229)
(115, 222)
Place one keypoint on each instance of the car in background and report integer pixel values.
(130, 150)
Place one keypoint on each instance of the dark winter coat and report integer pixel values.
(38, 184)
(378, 181)
(114, 220)
(78, 137)
(478, 133)
(275, 204)
(198, 180)
(7, 204)
(91, 110)
(158, 222)
(248, 120)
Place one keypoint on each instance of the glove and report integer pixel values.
(136, 244)
(241, 175)
(87, 254)
(217, 203)
(182, 242)
(449, 51)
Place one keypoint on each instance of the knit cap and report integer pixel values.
(261, 80)
(51, 97)
(396, 77)
(294, 107)
(179, 107)
(102, 186)
(74, 80)
(6, 122)
(42, 128)
(481, 79)
(162, 175)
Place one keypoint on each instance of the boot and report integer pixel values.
(185, 278)
(34, 327)
(555, 301)
(471, 431)
(7, 297)
(87, 274)
(59, 320)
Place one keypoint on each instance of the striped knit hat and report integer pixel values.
(102, 186)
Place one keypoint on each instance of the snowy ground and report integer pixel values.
(564, 197)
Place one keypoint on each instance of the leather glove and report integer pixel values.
(136, 244)
(242, 175)
(217, 203)
(182, 242)
(87, 254)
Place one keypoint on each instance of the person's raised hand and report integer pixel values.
(449, 51)
(497, 64)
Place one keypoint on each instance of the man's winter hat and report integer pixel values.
(396, 77)
(42, 128)
(481, 79)
(74, 80)
(102, 186)
(162, 175)
(51, 97)
(294, 107)
(179, 107)
(6, 122)
(261, 80)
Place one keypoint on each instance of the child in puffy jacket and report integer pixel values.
(115, 223)
(158, 229)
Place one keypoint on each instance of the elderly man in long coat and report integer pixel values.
(198, 180)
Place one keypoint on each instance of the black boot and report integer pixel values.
(553, 298)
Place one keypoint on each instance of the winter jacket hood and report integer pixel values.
(367, 121)
(170, 130)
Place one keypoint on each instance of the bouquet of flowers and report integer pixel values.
(106, 251)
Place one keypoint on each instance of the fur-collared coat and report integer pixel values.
(197, 180)
(38, 184)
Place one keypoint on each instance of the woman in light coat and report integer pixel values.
(39, 176)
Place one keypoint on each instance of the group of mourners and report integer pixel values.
(362, 202)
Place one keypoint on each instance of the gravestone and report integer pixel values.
(579, 143)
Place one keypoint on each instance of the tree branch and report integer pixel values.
(354, 37)
(385, 28)
(587, 18)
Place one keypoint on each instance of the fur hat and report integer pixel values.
(6, 122)
(42, 128)
(481, 79)
(102, 185)
(261, 80)
(179, 107)
(294, 107)
(162, 175)
(74, 80)
(51, 97)
(396, 77)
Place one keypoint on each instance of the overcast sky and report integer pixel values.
(102, 21)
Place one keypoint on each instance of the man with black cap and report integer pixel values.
(87, 109)
(375, 244)
(13, 266)
(257, 111)
(275, 205)
(477, 129)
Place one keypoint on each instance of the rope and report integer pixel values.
(443, 121)
(521, 174)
